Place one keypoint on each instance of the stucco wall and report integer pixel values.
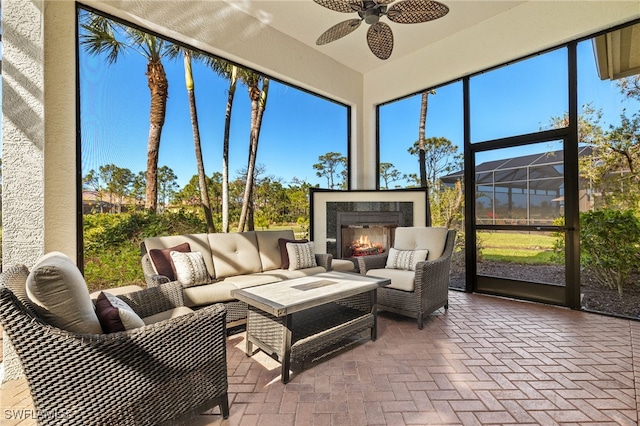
(38, 105)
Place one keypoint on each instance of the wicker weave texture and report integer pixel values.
(158, 374)
(431, 285)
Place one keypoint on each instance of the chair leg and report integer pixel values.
(446, 305)
(224, 406)
(420, 324)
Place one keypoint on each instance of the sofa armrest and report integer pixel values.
(151, 278)
(375, 261)
(154, 300)
(324, 260)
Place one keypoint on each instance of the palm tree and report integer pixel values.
(102, 36)
(258, 96)
(202, 176)
(422, 155)
(230, 72)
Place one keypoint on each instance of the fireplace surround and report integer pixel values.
(368, 211)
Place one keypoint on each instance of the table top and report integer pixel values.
(297, 294)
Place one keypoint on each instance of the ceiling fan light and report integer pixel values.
(371, 16)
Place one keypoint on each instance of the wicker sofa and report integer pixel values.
(232, 261)
(158, 373)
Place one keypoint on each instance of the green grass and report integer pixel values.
(521, 248)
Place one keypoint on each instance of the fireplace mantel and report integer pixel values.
(410, 204)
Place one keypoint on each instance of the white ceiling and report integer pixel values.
(305, 20)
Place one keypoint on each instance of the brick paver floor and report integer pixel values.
(487, 361)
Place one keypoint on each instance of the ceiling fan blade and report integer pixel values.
(380, 40)
(416, 11)
(338, 31)
(344, 6)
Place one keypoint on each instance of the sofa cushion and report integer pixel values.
(162, 262)
(285, 274)
(171, 313)
(197, 242)
(60, 295)
(115, 315)
(207, 294)
(190, 268)
(405, 259)
(235, 253)
(269, 248)
(422, 237)
(400, 279)
(301, 255)
(284, 254)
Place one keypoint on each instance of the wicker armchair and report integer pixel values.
(163, 373)
(430, 281)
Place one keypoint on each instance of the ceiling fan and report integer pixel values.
(379, 35)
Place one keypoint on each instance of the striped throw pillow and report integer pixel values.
(405, 259)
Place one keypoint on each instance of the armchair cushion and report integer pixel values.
(301, 256)
(432, 238)
(161, 259)
(405, 259)
(115, 315)
(60, 295)
(400, 279)
(190, 268)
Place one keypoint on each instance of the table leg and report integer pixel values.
(286, 358)
(374, 311)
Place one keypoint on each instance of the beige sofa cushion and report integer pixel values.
(57, 288)
(171, 313)
(221, 291)
(197, 242)
(235, 253)
(285, 274)
(269, 248)
(400, 279)
(422, 237)
(207, 294)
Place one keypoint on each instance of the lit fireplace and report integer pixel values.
(365, 233)
(366, 240)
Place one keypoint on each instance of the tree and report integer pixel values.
(202, 176)
(258, 87)
(389, 174)
(102, 36)
(229, 72)
(167, 185)
(424, 105)
(117, 182)
(91, 181)
(441, 156)
(330, 166)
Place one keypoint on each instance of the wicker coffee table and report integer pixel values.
(295, 319)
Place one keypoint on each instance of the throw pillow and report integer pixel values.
(115, 315)
(161, 259)
(405, 259)
(284, 254)
(190, 268)
(301, 255)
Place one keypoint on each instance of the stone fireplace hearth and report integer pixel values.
(356, 223)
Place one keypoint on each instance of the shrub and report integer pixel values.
(112, 243)
(610, 245)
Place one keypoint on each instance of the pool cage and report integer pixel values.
(525, 190)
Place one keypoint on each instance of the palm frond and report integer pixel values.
(98, 37)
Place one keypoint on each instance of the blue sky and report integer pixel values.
(298, 126)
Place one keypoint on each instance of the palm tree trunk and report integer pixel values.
(159, 88)
(225, 148)
(202, 177)
(422, 152)
(258, 105)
